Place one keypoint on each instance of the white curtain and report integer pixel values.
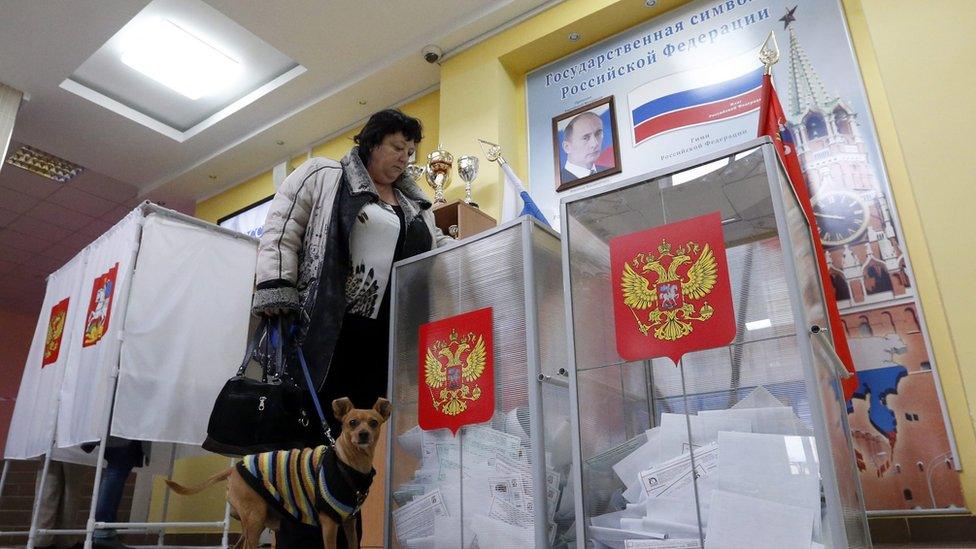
(93, 354)
(35, 413)
(185, 331)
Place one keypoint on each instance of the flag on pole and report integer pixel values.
(529, 207)
(772, 122)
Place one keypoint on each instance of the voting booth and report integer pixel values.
(480, 433)
(707, 401)
(135, 338)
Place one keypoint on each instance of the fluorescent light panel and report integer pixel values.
(44, 164)
(758, 324)
(180, 61)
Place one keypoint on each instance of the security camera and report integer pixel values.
(432, 54)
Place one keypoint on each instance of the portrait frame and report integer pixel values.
(603, 108)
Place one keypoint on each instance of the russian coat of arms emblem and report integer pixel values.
(671, 289)
(456, 375)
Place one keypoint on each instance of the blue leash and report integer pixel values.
(308, 383)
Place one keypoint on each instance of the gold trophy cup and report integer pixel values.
(439, 163)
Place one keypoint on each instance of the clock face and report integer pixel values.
(842, 217)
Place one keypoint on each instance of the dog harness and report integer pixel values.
(299, 483)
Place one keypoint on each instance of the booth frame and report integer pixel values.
(146, 208)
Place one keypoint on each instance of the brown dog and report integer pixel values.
(259, 505)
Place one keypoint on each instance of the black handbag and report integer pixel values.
(252, 416)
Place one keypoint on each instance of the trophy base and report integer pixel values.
(468, 219)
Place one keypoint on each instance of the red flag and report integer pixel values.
(772, 122)
(100, 307)
(671, 290)
(55, 329)
(457, 374)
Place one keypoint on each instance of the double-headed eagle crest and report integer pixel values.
(55, 328)
(451, 369)
(654, 283)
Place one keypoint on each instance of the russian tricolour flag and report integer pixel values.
(699, 96)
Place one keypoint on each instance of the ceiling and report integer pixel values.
(353, 51)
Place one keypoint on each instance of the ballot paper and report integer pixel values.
(760, 397)
(407, 491)
(738, 521)
(676, 474)
(704, 430)
(411, 440)
(779, 420)
(678, 516)
(777, 468)
(416, 519)
(616, 537)
(490, 532)
(643, 457)
(607, 458)
(662, 544)
(480, 443)
(509, 514)
(511, 490)
(552, 493)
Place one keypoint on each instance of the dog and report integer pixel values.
(338, 477)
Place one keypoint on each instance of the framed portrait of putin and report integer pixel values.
(585, 144)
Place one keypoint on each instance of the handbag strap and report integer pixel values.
(252, 346)
(315, 398)
(278, 347)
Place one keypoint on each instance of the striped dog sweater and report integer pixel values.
(299, 483)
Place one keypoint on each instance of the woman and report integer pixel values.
(329, 243)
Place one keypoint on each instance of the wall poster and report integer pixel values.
(684, 85)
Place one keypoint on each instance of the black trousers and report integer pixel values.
(295, 535)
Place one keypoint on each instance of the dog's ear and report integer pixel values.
(341, 407)
(383, 408)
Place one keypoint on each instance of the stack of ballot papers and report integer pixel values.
(749, 476)
(473, 486)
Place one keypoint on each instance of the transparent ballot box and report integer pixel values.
(500, 481)
(743, 443)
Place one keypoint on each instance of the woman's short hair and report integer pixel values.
(382, 124)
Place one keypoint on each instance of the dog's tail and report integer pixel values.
(189, 491)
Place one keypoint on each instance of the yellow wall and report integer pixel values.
(425, 108)
(915, 60)
(921, 95)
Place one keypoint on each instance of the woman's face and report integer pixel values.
(388, 159)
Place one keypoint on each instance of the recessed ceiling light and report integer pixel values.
(279, 142)
(650, 3)
(574, 36)
(180, 61)
(212, 176)
(44, 164)
(362, 101)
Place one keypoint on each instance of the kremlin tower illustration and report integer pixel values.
(866, 260)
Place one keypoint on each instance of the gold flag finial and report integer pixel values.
(769, 53)
(493, 152)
